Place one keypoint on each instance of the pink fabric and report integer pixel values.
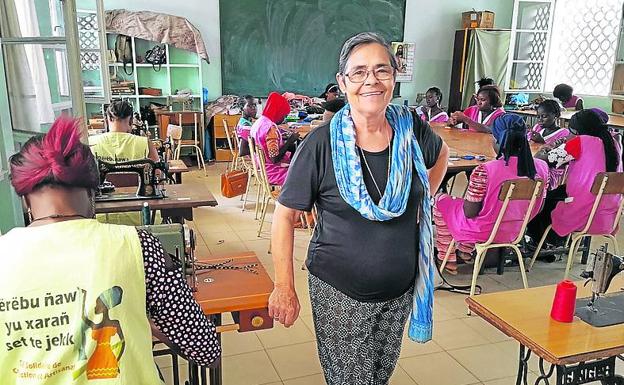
(442, 117)
(478, 229)
(550, 139)
(444, 238)
(276, 173)
(572, 102)
(572, 216)
(472, 112)
(242, 128)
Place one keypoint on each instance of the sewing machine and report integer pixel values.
(602, 309)
(179, 241)
(149, 186)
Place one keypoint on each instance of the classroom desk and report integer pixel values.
(177, 168)
(573, 350)
(179, 204)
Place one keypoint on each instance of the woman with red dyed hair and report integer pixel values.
(64, 266)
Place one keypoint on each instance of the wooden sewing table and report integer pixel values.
(577, 353)
(243, 294)
(177, 168)
(178, 205)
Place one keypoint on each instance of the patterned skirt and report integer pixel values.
(358, 342)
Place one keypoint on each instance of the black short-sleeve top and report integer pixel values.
(370, 261)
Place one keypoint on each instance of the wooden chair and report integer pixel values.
(233, 149)
(605, 183)
(511, 190)
(174, 133)
(269, 193)
(191, 143)
(255, 175)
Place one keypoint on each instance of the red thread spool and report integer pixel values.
(564, 302)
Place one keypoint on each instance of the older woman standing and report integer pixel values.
(370, 173)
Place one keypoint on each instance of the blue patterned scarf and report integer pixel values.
(405, 152)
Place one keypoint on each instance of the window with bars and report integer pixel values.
(570, 41)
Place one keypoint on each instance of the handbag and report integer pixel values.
(156, 56)
(123, 52)
(233, 183)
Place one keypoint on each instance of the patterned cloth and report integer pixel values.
(406, 155)
(358, 342)
(160, 27)
(171, 306)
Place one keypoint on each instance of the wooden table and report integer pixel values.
(574, 349)
(177, 168)
(179, 204)
(463, 142)
(241, 293)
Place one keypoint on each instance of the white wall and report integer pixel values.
(203, 14)
(430, 25)
(432, 28)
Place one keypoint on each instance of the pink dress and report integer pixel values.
(441, 117)
(475, 114)
(276, 173)
(553, 137)
(478, 229)
(572, 102)
(572, 216)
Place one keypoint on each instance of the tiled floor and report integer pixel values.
(464, 350)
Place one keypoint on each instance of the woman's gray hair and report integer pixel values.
(359, 39)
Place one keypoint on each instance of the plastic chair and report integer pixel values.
(511, 190)
(605, 183)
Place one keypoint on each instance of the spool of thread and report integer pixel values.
(564, 302)
(146, 215)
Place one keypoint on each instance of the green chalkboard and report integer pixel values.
(293, 45)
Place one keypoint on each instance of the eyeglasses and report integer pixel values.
(361, 74)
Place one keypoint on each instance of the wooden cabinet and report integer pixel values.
(219, 138)
(460, 56)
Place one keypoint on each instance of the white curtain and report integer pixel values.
(27, 78)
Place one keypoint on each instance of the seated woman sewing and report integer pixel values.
(471, 219)
(481, 116)
(593, 150)
(102, 284)
(277, 145)
(119, 145)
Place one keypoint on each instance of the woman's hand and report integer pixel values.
(536, 137)
(459, 117)
(284, 305)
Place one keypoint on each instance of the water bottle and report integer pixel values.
(205, 95)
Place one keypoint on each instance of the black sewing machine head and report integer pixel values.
(148, 181)
(602, 309)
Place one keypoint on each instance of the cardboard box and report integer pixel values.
(477, 19)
